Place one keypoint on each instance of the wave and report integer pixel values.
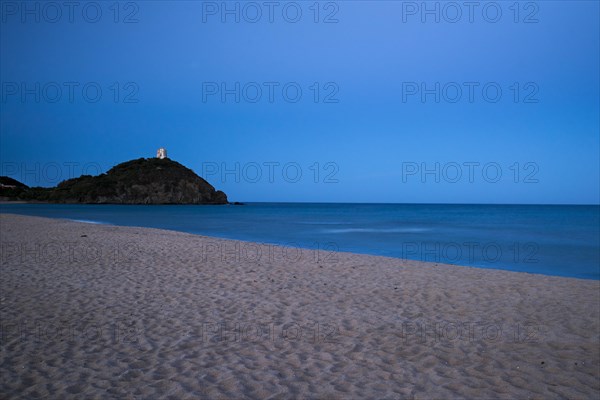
(376, 230)
(87, 221)
(323, 222)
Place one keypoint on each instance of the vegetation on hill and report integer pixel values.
(141, 181)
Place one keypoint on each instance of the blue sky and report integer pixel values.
(370, 136)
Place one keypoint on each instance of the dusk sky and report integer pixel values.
(395, 107)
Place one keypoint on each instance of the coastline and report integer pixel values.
(95, 309)
(494, 238)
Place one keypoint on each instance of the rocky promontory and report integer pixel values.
(141, 181)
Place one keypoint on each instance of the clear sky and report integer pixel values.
(491, 103)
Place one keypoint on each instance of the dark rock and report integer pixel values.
(6, 181)
(11, 189)
(141, 181)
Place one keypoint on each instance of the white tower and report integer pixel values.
(161, 153)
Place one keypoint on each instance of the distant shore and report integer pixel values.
(233, 203)
(99, 310)
(6, 201)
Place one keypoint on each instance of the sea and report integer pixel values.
(542, 239)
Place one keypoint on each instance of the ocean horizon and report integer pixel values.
(557, 240)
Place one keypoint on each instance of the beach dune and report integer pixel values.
(99, 311)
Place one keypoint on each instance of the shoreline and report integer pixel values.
(104, 310)
(5, 202)
(250, 243)
(304, 247)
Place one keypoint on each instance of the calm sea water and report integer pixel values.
(551, 240)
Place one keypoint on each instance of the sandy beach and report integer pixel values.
(98, 311)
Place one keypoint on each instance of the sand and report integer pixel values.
(98, 311)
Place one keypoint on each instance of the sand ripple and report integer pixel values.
(95, 311)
